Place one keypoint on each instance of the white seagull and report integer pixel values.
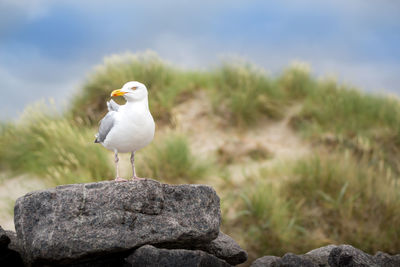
(127, 128)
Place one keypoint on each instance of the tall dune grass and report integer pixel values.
(325, 199)
(167, 85)
(245, 92)
(357, 120)
(171, 160)
(54, 148)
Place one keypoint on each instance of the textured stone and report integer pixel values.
(288, 260)
(386, 260)
(224, 247)
(346, 255)
(331, 256)
(150, 256)
(14, 241)
(4, 239)
(265, 261)
(320, 255)
(292, 260)
(83, 221)
(9, 256)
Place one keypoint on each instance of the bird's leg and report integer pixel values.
(134, 177)
(116, 159)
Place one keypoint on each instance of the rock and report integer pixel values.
(346, 255)
(8, 256)
(4, 239)
(292, 260)
(386, 260)
(82, 221)
(150, 256)
(331, 256)
(288, 260)
(320, 255)
(14, 242)
(265, 261)
(224, 247)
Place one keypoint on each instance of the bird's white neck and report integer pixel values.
(138, 103)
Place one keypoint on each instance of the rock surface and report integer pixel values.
(4, 239)
(224, 247)
(265, 261)
(288, 260)
(150, 256)
(386, 260)
(83, 221)
(320, 255)
(8, 256)
(331, 256)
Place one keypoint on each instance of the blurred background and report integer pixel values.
(288, 108)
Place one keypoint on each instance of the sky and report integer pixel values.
(48, 48)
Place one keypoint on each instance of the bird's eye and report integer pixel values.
(134, 88)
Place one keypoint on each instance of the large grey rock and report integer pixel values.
(224, 247)
(346, 255)
(4, 239)
(320, 255)
(150, 256)
(75, 222)
(292, 260)
(288, 260)
(265, 261)
(15, 244)
(8, 256)
(386, 260)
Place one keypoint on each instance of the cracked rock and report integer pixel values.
(83, 221)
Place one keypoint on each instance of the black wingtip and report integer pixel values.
(96, 141)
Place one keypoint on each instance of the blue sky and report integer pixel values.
(47, 48)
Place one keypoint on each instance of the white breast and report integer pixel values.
(133, 129)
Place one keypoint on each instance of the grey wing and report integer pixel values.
(105, 127)
(112, 106)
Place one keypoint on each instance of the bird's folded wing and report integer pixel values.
(105, 127)
(112, 106)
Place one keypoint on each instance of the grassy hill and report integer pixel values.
(298, 162)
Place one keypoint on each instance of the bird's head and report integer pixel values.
(131, 91)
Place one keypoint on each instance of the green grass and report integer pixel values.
(345, 110)
(240, 91)
(357, 120)
(296, 82)
(356, 202)
(54, 148)
(171, 160)
(320, 200)
(167, 85)
(269, 220)
(244, 93)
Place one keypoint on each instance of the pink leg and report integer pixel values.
(116, 159)
(134, 177)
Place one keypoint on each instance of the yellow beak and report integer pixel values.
(117, 92)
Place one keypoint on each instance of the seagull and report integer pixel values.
(127, 128)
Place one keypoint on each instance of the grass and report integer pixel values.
(241, 92)
(356, 120)
(171, 160)
(54, 148)
(356, 202)
(296, 82)
(342, 109)
(244, 92)
(167, 85)
(270, 220)
(330, 199)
